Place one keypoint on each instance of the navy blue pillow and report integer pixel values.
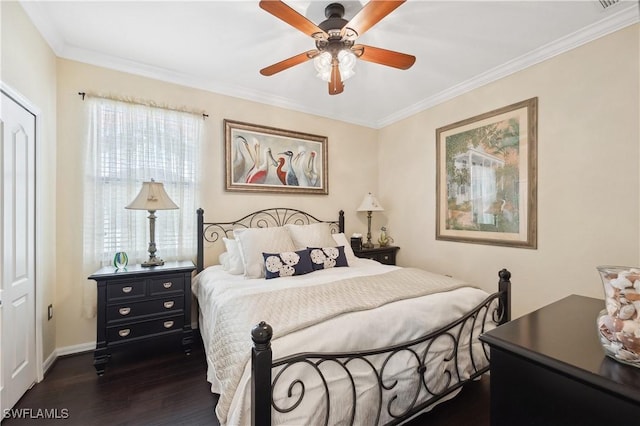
(327, 257)
(287, 264)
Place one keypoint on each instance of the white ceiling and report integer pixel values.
(221, 46)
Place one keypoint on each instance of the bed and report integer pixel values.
(340, 341)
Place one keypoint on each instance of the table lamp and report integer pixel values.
(369, 204)
(152, 197)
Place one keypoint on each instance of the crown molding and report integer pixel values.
(47, 30)
(612, 23)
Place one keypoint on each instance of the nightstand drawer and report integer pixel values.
(169, 284)
(125, 311)
(145, 328)
(385, 255)
(120, 290)
(141, 303)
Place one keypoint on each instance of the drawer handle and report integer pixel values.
(124, 311)
(167, 284)
(124, 332)
(169, 304)
(168, 324)
(127, 289)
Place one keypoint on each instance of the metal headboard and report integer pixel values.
(213, 232)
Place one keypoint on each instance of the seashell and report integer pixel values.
(621, 283)
(637, 306)
(617, 324)
(626, 312)
(626, 355)
(612, 306)
(631, 295)
(636, 285)
(629, 327)
(615, 347)
(631, 343)
(609, 323)
(633, 277)
(609, 291)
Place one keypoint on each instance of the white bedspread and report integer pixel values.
(400, 321)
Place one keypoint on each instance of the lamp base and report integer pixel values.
(153, 261)
(367, 245)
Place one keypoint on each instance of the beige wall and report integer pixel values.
(588, 179)
(588, 175)
(353, 169)
(28, 66)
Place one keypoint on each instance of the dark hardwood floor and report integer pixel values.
(162, 386)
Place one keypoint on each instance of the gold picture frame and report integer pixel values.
(486, 178)
(266, 159)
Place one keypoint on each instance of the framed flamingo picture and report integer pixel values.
(266, 159)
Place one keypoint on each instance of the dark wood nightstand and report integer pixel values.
(386, 255)
(548, 368)
(137, 304)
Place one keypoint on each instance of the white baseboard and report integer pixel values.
(67, 350)
(76, 349)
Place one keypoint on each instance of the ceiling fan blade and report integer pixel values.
(281, 11)
(289, 62)
(369, 15)
(384, 56)
(335, 85)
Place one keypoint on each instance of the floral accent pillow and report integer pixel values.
(287, 264)
(327, 257)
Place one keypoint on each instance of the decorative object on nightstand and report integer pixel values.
(619, 322)
(369, 204)
(152, 197)
(384, 239)
(139, 304)
(385, 255)
(120, 260)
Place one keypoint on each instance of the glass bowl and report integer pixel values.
(619, 322)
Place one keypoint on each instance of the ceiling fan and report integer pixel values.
(336, 52)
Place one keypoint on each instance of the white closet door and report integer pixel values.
(17, 276)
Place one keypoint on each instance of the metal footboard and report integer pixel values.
(428, 382)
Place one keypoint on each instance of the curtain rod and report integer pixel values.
(140, 102)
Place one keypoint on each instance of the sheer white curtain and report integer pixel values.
(128, 144)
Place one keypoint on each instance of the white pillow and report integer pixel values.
(224, 260)
(311, 235)
(233, 264)
(341, 240)
(255, 241)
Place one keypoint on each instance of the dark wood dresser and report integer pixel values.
(136, 304)
(386, 255)
(548, 368)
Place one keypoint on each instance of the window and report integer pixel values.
(128, 144)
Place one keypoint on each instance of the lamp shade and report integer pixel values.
(152, 196)
(370, 204)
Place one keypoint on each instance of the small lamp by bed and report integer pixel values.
(152, 197)
(369, 204)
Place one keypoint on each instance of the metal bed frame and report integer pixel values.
(268, 375)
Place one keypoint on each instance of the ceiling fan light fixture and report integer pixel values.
(322, 62)
(336, 53)
(346, 61)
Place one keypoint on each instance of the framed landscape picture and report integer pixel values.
(486, 184)
(266, 159)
